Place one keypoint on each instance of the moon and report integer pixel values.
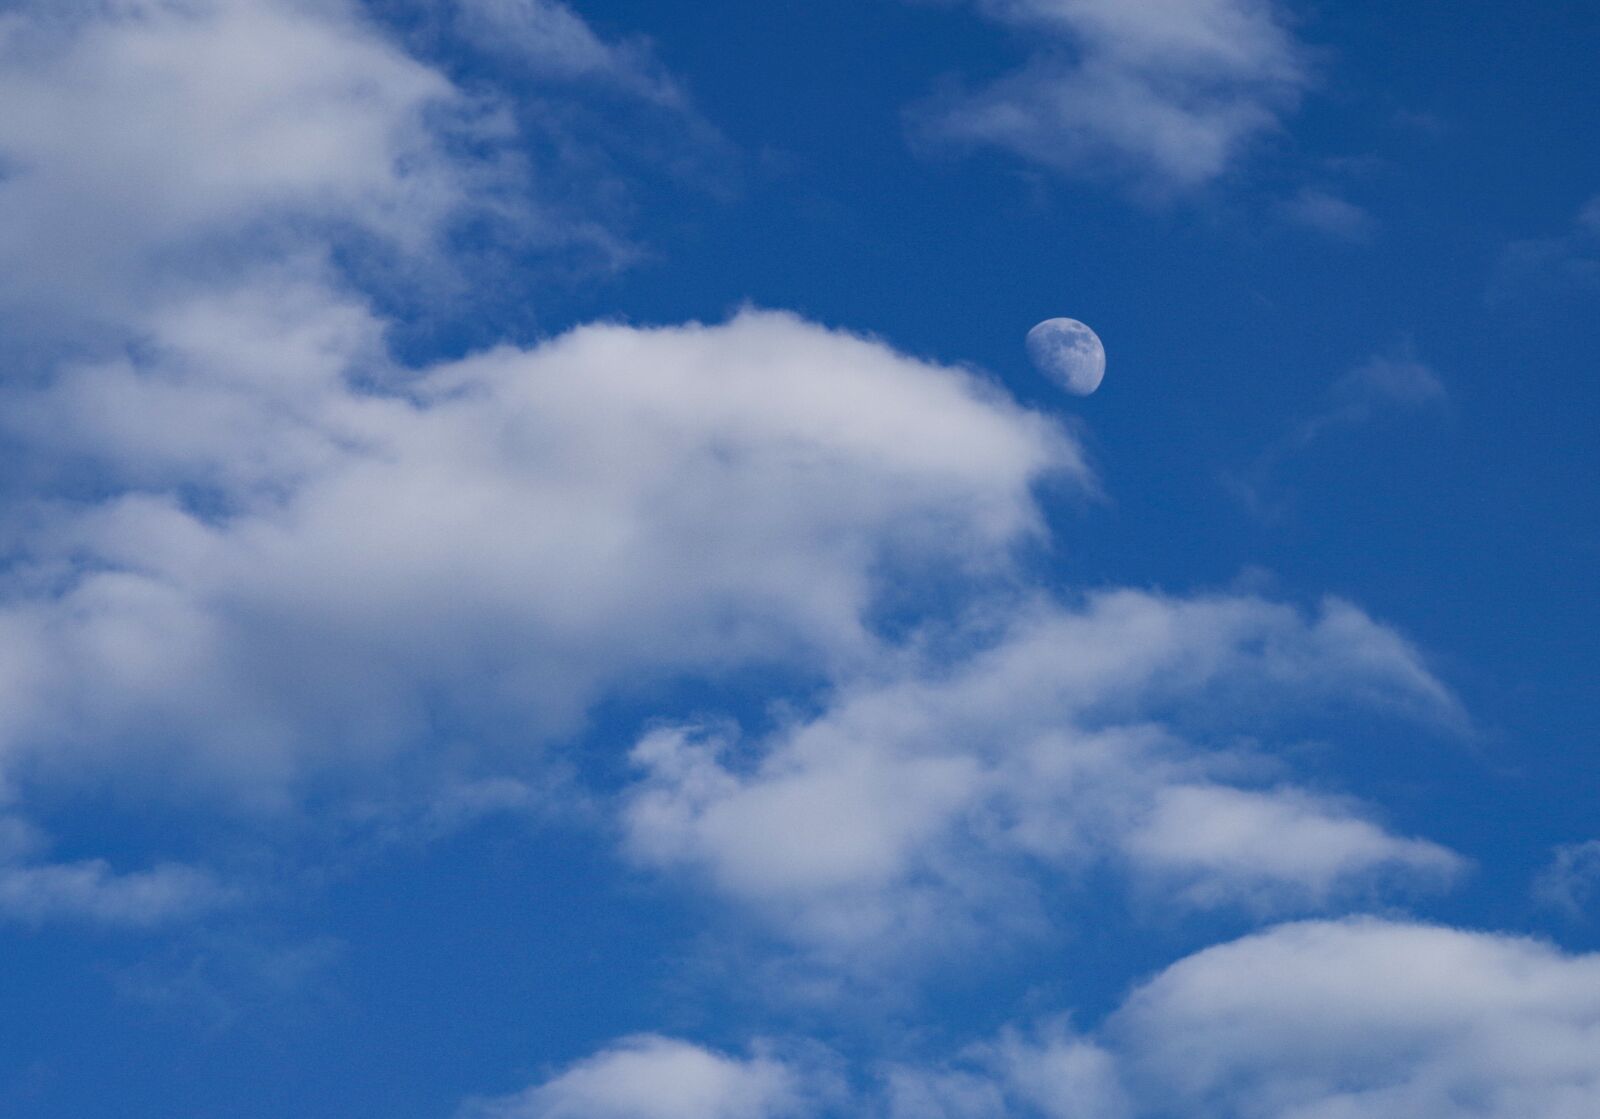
(1068, 353)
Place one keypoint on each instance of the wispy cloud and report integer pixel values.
(1535, 271)
(1170, 94)
(1331, 215)
(151, 147)
(1571, 883)
(552, 40)
(36, 891)
(1384, 385)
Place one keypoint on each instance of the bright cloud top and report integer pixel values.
(1364, 1019)
(510, 535)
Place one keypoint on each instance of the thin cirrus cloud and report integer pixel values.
(550, 38)
(1571, 881)
(1170, 93)
(1329, 214)
(918, 807)
(601, 112)
(1353, 1019)
(1383, 386)
(1541, 273)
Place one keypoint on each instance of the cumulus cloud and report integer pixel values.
(296, 567)
(895, 814)
(661, 1078)
(1352, 1019)
(1170, 92)
(1366, 1019)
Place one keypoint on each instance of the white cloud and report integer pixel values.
(1221, 844)
(1170, 92)
(1057, 1075)
(34, 892)
(152, 149)
(145, 140)
(1352, 1019)
(1054, 1075)
(661, 1078)
(309, 559)
(244, 547)
(1366, 1019)
(260, 554)
(898, 813)
(91, 891)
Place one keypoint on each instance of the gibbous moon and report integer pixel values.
(1068, 353)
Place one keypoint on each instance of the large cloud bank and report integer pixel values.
(258, 565)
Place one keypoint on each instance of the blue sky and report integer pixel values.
(537, 582)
